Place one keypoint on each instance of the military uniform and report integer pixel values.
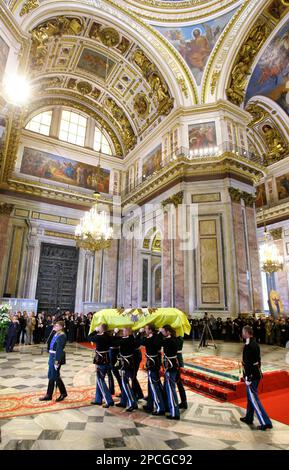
(102, 344)
(252, 376)
(171, 367)
(153, 345)
(56, 359)
(127, 347)
(182, 392)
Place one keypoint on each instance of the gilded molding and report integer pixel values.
(29, 6)
(242, 66)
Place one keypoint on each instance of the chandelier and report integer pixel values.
(94, 232)
(270, 259)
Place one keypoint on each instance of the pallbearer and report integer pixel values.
(56, 360)
(127, 346)
(152, 342)
(171, 367)
(102, 343)
(182, 392)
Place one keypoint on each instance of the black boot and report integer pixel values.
(49, 392)
(62, 389)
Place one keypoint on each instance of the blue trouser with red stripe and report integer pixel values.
(254, 404)
(171, 378)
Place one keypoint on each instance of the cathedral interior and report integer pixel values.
(172, 118)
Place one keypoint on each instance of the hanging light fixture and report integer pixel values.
(271, 260)
(94, 231)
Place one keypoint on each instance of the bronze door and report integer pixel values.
(57, 277)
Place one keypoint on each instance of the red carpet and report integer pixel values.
(276, 404)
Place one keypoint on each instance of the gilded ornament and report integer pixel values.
(123, 45)
(276, 233)
(29, 6)
(53, 28)
(274, 142)
(242, 65)
(176, 199)
(141, 105)
(6, 209)
(126, 132)
(109, 37)
(257, 112)
(215, 78)
(84, 88)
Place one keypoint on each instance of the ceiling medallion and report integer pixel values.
(109, 37)
(141, 105)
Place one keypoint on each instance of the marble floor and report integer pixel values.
(206, 425)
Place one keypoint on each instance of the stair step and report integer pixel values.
(209, 389)
(209, 378)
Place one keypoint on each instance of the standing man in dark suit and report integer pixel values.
(56, 360)
(252, 377)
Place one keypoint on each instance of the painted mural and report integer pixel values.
(261, 199)
(4, 51)
(282, 183)
(271, 75)
(95, 63)
(196, 41)
(152, 162)
(57, 168)
(202, 136)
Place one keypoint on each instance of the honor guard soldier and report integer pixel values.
(182, 392)
(252, 377)
(127, 345)
(113, 361)
(56, 360)
(171, 367)
(137, 358)
(102, 343)
(152, 343)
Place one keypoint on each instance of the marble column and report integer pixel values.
(5, 212)
(32, 266)
(242, 270)
(254, 259)
(282, 286)
(167, 264)
(179, 265)
(110, 269)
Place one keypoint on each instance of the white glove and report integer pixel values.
(116, 330)
(247, 382)
(56, 366)
(141, 330)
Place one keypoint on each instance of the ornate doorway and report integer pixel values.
(57, 277)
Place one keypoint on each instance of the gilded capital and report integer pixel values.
(6, 209)
(176, 199)
(276, 233)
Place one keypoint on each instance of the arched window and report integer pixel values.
(40, 123)
(72, 127)
(101, 143)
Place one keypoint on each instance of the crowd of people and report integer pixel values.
(30, 328)
(267, 330)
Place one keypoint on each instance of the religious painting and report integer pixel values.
(277, 9)
(202, 136)
(57, 168)
(95, 63)
(152, 162)
(282, 183)
(261, 199)
(196, 41)
(4, 51)
(270, 77)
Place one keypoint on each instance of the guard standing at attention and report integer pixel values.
(56, 360)
(252, 377)
(152, 343)
(102, 343)
(171, 367)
